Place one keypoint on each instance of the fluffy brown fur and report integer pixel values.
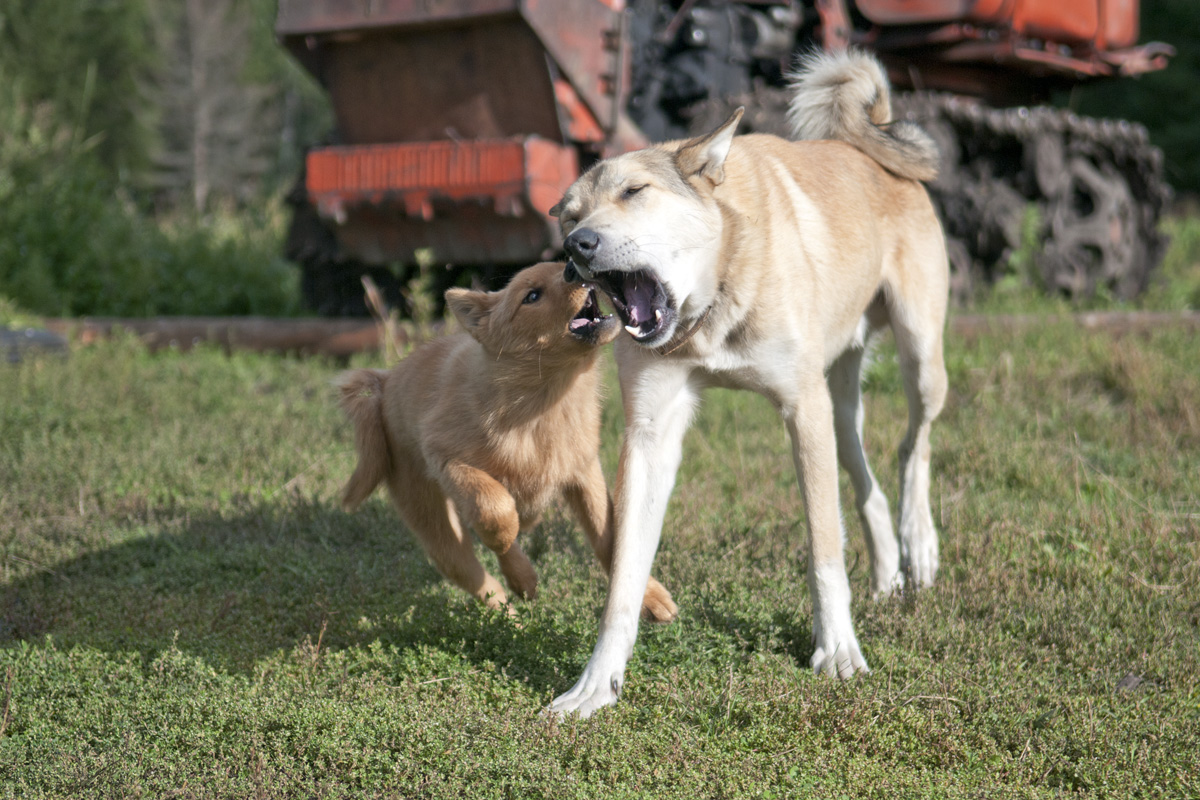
(483, 429)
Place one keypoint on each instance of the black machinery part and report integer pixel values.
(1096, 186)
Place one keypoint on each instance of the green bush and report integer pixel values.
(73, 243)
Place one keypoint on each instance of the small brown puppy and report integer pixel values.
(483, 429)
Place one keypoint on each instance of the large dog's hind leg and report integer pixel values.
(919, 346)
(810, 426)
(658, 409)
(872, 505)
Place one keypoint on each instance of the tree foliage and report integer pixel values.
(73, 242)
(140, 149)
(90, 60)
(216, 128)
(193, 101)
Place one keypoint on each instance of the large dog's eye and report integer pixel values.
(533, 296)
(567, 225)
(630, 191)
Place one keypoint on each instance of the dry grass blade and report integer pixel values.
(390, 337)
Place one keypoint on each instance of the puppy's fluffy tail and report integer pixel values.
(844, 95)
(360, 395)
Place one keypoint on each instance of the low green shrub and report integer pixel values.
(73, 243)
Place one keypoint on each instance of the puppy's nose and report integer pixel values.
(582, 244)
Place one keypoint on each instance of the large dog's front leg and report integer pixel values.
(814, 450)
(658, 409)
(593, 508)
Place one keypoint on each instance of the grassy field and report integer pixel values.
(185, 611)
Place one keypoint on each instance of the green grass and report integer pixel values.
(185, 612)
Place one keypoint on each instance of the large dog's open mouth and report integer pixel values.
(588, 324)
(642, 302)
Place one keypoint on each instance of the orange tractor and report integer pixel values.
(459, 123)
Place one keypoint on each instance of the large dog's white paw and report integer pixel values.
(891, 586)
(842, 660)
(919, 554)
(836, 652)
(886, 576)
(596, 689)
(835, 647)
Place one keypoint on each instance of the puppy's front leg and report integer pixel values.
(814, 451)
(658, 409)
(487, 507)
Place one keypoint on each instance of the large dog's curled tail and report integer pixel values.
(844, 95)
(360, 395)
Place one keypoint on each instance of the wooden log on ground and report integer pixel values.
(1116, 323)
(310, 336)
(345, 337)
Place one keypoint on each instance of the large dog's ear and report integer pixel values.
(556, 209)
(705, 155)
(471, 308)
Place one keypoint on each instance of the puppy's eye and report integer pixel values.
(631, 191)
(533, 296)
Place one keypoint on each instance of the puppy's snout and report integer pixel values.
(582, 244)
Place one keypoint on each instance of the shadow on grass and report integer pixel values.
(235, 588)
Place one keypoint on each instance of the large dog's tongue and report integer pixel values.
(642, 302)
(639, 301)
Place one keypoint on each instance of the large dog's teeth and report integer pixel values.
(658, 316)
(634, 331)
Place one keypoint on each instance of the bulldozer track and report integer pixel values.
(1096, 185)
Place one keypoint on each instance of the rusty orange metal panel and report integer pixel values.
(1119, 23)
(583, 37)
(1099, 23)
(389, 200)
(581, 124)
(918, 12)
(550, 170)
(483, 80)
(303, 17)
(1070, 21)
(452, 169)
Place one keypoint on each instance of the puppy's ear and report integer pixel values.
(471, 308)
(705, 155)
(555, 209)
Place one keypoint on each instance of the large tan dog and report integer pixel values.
(485, 428)
(764, 264)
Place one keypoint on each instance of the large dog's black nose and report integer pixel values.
(582, 244)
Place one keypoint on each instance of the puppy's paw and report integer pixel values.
(495, 598)
(523, 583)
(657, 605)
(519, 573)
